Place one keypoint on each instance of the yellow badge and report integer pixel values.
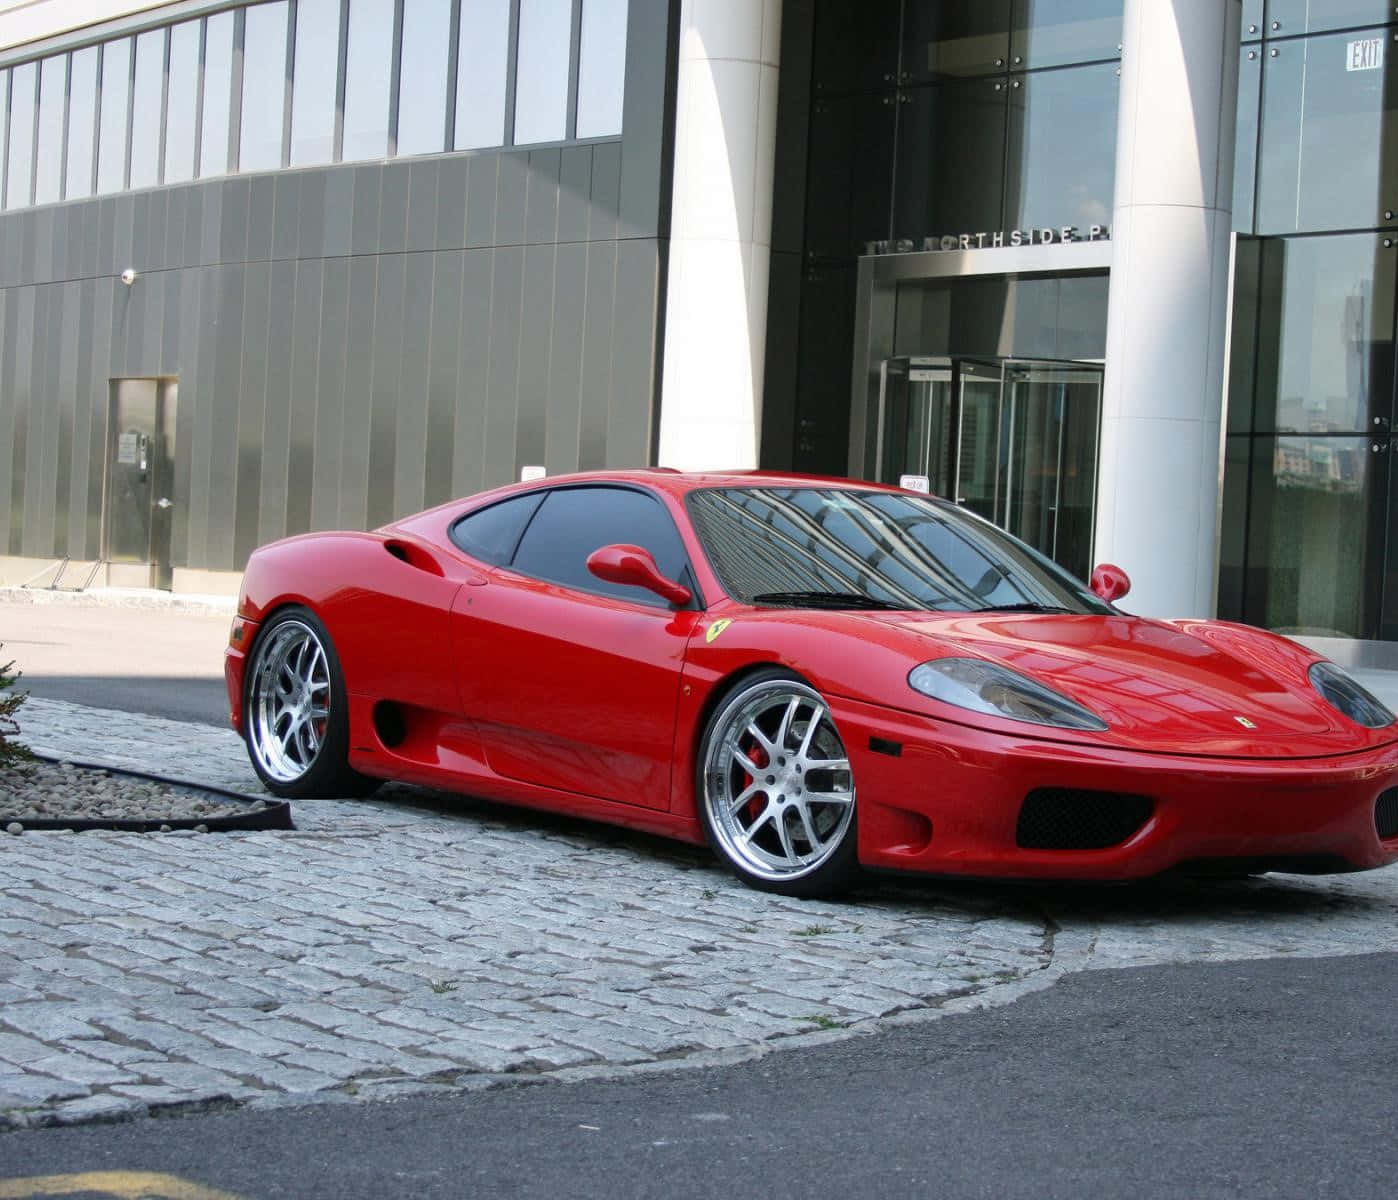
(716, 628)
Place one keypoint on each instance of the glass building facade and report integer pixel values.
(926, 123)
(306, 82)
(1308, 519)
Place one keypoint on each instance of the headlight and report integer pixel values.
(1342, 692)
(984, 687)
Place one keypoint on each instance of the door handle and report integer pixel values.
(164, 502)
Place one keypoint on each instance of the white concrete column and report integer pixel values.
(720, 233)
(1158, 490)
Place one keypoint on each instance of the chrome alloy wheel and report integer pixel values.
(777, 782)
(289, 701)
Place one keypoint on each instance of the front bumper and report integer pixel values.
(235, 658)
(949, 803)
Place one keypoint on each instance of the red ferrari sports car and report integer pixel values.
(814, 675)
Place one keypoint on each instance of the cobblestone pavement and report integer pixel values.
(421, 941)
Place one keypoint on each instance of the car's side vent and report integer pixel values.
(1076, 819)
(414, 556)
(1386, 814)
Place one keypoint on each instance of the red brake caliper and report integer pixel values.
(758, 757)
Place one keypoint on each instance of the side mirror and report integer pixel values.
(1110, 582)
(635, 566)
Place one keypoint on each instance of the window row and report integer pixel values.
(305, 82)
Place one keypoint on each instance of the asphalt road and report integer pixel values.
(1271, 1078)
(166, 662)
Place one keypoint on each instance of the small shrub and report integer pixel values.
(11, 752)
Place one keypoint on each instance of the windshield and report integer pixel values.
(846, 548)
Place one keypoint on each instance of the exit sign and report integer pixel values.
(1364, 55)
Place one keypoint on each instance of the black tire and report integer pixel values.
(771, 739)
(295, 711)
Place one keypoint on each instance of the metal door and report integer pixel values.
(136, 517)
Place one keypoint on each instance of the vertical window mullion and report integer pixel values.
(453, 62)
(5, 159)
(130, 110)
(164, 106)
(34, 145)
(97, 118)
(338, 152)
(289, 79)
(570, 130)
(511, 73)
(199, 97)
(63, 136)
(235, 100)
(395, 78)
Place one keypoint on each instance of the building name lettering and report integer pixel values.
(991, 241)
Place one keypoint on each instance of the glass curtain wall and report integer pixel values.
(1308, 489)
(932, 120)
(360, 79)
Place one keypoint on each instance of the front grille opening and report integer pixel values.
(1076, 819)
(1386, 814)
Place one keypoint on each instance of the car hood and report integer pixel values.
(1186, 687)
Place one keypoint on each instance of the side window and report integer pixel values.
(574, 522)
(492, 533)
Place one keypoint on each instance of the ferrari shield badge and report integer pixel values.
(717, 627)
(1245, 723)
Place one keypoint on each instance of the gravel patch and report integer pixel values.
(47, 791)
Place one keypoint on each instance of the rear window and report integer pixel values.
(492, 534)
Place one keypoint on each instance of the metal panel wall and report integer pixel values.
(351, 342)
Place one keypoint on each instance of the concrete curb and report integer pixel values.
(144, 598)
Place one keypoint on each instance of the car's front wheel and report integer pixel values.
(295, 714)
(775, 788)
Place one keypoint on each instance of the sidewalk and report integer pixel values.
(422, 942)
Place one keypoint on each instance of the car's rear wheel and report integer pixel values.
(775, 788)
(296, 718)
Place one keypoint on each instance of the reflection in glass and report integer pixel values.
(19, 178)
(957, 37)
(111, 135)
(1307, 544)
(181, 104)
(146, 115)
(1054, 33)
(422, 87)
(1233, 529)
(48, 168)
(951, 151)
(482, 54)
(1050, 477)
(264, 87)
(368, 71)
(1312, 16)
(1324, 334)
(218, 87)
(1004, 316)
(82, 122)
(1247, 280)
(1062, 149)
(1245, 147)
(314, 73)
(541, 82)
(849, 168)
(601, 67)
(897, 551)
(1329, 148)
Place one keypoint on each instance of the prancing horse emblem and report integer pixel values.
(1245, 723)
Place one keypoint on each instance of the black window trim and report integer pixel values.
(689, 577)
